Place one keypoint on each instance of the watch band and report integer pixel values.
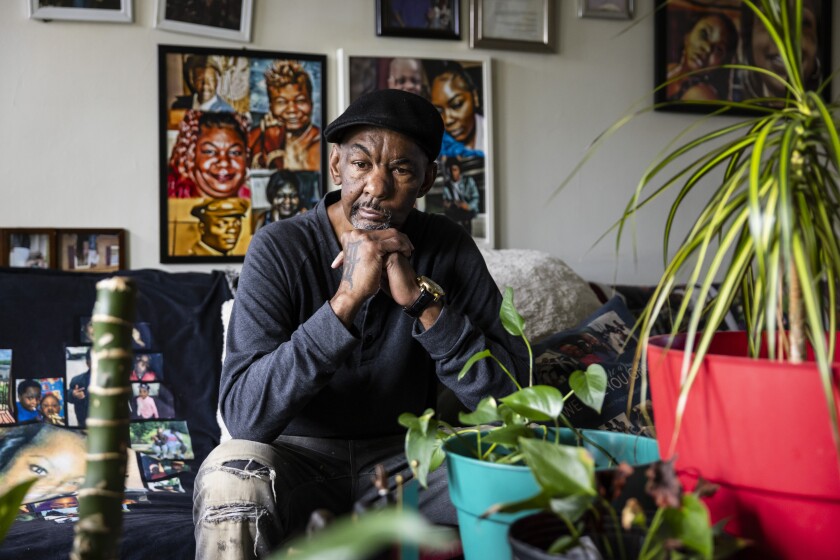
(430, 292)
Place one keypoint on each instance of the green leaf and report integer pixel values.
(349, 538)
(691, 525)
(590, 386)
(422, 444)
(473, 359)
(540, 403)
(10, 505)
(508, 435)
(512, 321)
(571, 507)
(486, 412)
(560, 470)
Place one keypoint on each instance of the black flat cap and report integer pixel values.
(404, 112)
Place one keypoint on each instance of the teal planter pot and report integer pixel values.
(476, 485)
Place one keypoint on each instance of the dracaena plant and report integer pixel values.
(770, 226)
(501, 424)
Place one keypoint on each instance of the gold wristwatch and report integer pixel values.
(430, 292)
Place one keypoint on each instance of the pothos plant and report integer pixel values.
(500, 425)
(584, 499)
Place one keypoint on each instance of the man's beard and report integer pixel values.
(361, 224)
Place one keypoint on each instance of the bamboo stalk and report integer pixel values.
(99, 527)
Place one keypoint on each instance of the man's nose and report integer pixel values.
(379, 183)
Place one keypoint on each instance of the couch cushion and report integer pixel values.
(548, 294)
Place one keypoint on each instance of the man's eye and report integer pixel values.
(38, 470)
(360, 164)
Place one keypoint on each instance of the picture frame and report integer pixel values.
(434, 19)
(227, 19)
(674, 21)
(28, 247)
(606, 9)
(212, 202)
(91, 250)
(115, 11)
(522, 25)
(471, 147)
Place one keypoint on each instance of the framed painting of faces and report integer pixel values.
(240, 146)
(460, 90)
(701, 46)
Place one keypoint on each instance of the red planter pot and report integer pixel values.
(761, 430)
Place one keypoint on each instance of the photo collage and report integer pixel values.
(43, 424)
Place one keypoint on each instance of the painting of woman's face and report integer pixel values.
(457, 106)
(765, 53)
(220, 162)
(55, 458)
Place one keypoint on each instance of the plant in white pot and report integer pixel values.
(755, 411)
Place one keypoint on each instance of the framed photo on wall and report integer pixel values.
(28, 248)
(460, 89)
(606, 9)
(694, 43)
(222, 19)
(425, 19)
(82, 10)
(240, 146)
(523, 25)
(92, 250)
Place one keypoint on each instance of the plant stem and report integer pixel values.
(796, 318)
(100, 500)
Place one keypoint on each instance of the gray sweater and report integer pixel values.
(293, 368)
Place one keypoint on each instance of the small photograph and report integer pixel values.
(141, 334)
(287, 194)
(425, 19)
(30, 249)
(168, 485)
(151, 401)
(154, 469)
(6, 393)
(162, 440)
(77, 374)
(118, 11)
(41, 400)
(223, 19)
(58, 455)
(63, 504)
(91, 250)
(147, 368)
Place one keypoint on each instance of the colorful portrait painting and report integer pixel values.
(241, 142)
(698, 42)
(459, 89)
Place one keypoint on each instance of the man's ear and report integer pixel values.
(428, 179)
(335, 158)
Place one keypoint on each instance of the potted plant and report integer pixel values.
(486, 463)
(755, 411)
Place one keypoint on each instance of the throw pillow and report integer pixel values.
(548, 294)
(603, 338)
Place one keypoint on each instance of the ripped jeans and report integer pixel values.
(250, 497)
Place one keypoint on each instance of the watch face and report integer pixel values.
(431, 286)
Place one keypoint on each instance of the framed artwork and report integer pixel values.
(222, 19)
(7, 398)
(705, 38)
(607, 9)
(81, 10)
(91, 250)
(460, 89)
(524, 25)
(425, 19)
(28, 248)
(240, 146)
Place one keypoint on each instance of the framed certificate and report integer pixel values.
(526, 25)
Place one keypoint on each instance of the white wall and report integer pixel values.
(79, 134)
